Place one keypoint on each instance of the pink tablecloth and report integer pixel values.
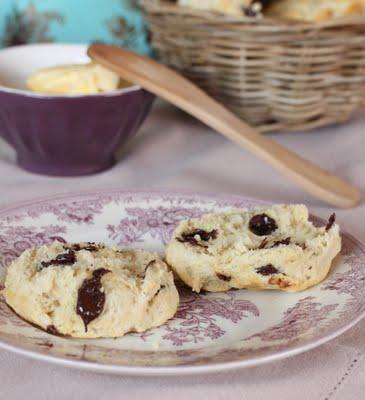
(172, 150)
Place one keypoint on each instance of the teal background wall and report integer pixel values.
(73, 21)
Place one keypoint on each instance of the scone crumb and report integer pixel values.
(223, 277)
(282, 283)
(266, 270)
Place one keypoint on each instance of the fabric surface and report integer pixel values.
(174, 151)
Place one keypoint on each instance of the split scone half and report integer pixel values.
(261, 248)
(88, 291)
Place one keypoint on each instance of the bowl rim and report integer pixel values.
(50, 96)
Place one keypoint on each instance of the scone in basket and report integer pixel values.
(275, 74)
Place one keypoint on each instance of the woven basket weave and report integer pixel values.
(277, 75)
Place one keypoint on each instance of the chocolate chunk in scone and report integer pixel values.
(91, 297)
(196, 237)
(262, 225)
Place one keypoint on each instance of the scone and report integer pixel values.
(315, 10)
(249, 8)
(89, 291)
(262, 248)
(77, 79)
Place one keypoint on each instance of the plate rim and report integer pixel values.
(180, 369)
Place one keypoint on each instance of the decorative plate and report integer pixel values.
(211, 331)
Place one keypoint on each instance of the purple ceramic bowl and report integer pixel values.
(63, 135)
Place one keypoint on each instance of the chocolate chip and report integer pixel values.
(146, 268)
(223, 277)
(204, 236)
(51, 329)
(162, 287)
(263, 244)
(284, 242)
(277, 243)
(89, 246)
(331, 221)
(92, 247)
(90, 299)
(156, 294)
(262, 225)
(68, 258)
(267, 270)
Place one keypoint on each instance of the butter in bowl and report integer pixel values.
(77, 79)
(62, 114)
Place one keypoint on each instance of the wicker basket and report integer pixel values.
(277, 75)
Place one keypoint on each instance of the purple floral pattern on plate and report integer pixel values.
(15, 239)
(352, 281)
(80, 211)
(298, 320)
(209, 328)
(197, 316)
(158, 222)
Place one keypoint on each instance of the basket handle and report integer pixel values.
(176, 89)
